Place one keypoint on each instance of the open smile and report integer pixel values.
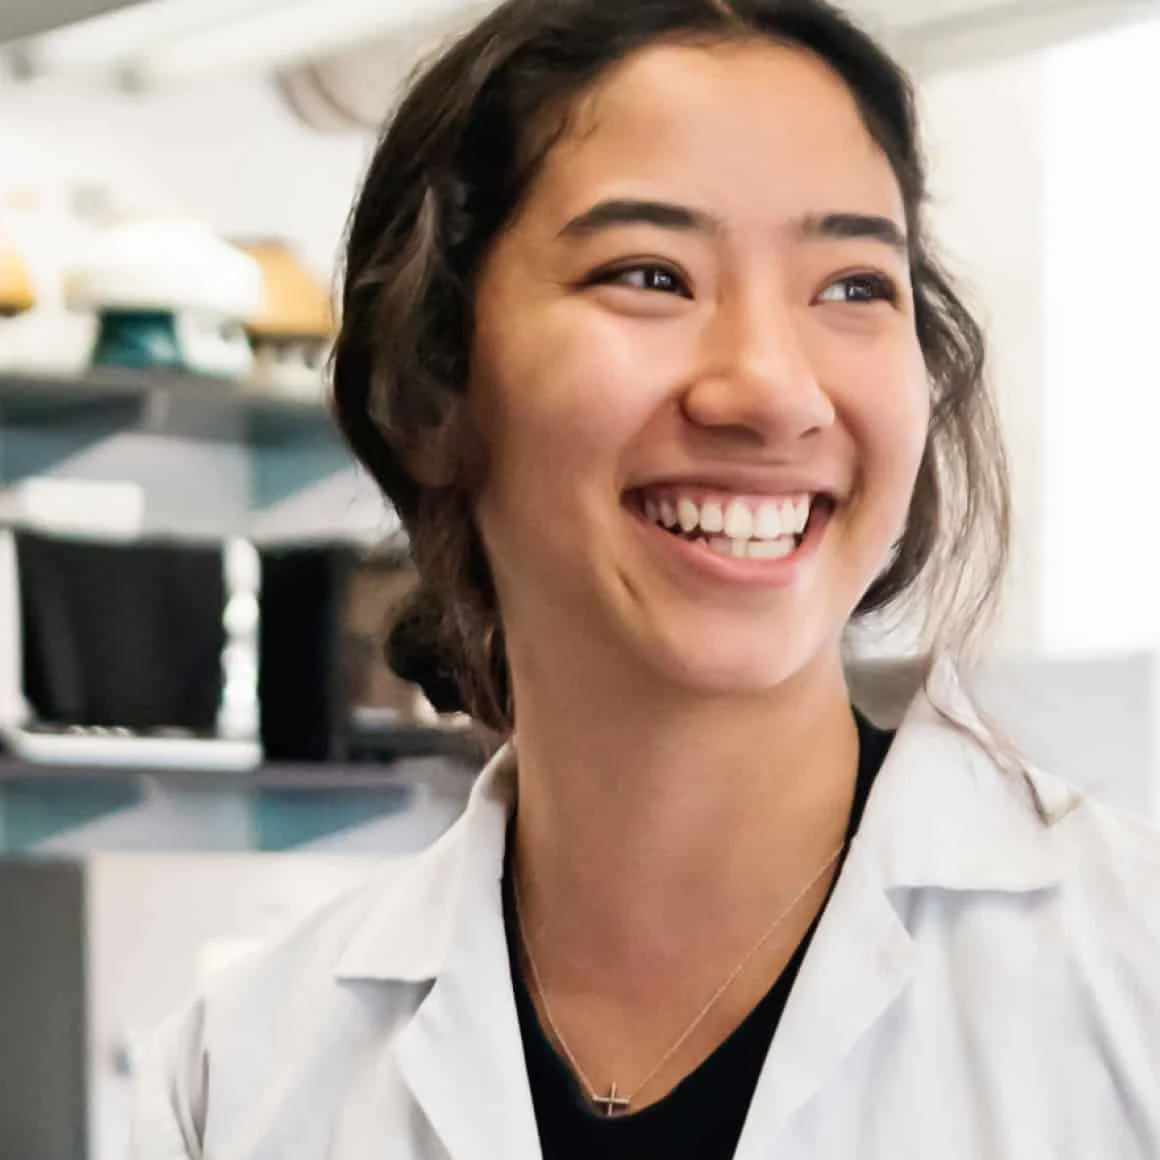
(737, 537)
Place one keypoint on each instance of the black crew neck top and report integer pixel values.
(701, 1118)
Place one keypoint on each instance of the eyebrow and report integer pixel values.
(617, 212)
(870, 227)
(607, 215)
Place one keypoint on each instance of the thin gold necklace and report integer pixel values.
(614, 1103)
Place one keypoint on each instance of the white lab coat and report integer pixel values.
(981, 987)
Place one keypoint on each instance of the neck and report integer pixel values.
(648, 825)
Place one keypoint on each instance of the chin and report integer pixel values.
(744, 668)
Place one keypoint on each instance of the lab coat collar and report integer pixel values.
(942, 814)
(945, 812)
(412, 928)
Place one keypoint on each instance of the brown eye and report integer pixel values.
(650, 276)
(860, 288)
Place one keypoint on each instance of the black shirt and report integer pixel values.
(702, 1117)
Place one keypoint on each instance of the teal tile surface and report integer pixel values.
(33, 811)
(284, 819)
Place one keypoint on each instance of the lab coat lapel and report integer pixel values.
(942, 816)
(859, 962)
(461, 1054)
(463, 1060)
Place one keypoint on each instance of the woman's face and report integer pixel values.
(696, 336)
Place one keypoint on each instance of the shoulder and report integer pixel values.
(292, 1008)
(329, 946)
(300, 961)
(1100, 945)
(238, 1021)
(305, 956)
(1109, 860)
(1100, 925)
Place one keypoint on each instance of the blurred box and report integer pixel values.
(326, 691)
(128, 651)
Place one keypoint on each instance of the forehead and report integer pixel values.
(756, 130)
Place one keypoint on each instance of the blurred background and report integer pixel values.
(198, 739)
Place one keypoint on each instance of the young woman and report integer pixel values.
(643, 337)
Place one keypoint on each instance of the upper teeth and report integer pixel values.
(738, 519)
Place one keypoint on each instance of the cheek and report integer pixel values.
(563, 396)
(885, 406)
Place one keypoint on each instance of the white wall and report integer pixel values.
(1046, 186)
(984, 138)
(1100, 567)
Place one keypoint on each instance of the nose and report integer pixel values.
(757, 378)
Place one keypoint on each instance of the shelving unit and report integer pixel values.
(162, 402)
(213, 457)
(256, 447)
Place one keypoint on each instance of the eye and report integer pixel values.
(652, 276)
(861, 288)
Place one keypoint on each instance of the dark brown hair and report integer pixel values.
(452, 166)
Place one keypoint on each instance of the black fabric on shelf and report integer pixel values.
(702, 1118)
(127, 635)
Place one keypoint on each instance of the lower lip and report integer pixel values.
(738, 570)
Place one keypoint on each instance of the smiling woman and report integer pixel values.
(643, 337)
(608, 222)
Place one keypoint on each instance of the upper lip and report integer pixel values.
(746, 481)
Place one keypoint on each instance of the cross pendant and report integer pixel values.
(611, 1104)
